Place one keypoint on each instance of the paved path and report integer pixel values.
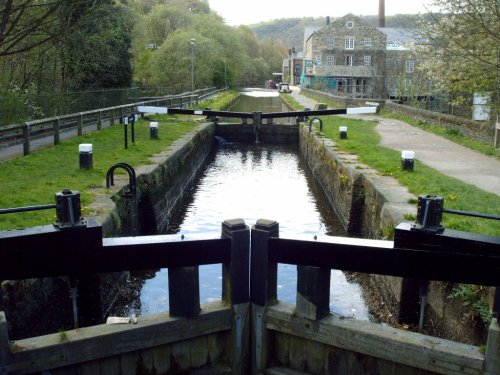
(437, 152)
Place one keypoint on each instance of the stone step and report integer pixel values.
(284, 371)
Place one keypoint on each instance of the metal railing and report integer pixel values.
(54, 127)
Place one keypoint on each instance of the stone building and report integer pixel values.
(351, 58)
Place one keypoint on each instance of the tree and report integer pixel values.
(464, 57)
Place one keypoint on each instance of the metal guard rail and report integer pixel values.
(16, 133)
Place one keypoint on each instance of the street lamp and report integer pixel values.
(225, 74)
(193, 43)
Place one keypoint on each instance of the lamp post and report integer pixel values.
(225, 73)
(193, 43)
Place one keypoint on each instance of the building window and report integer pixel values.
(368, 42)
(367, 60)
(349, 43)
(348, 60)
(330, 60)
(410, 66)
(317, 59)
(349, 24)
(330, 41)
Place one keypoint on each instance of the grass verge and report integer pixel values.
(363, 141)
(34, 179)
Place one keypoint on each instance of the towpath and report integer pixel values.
(437, 152)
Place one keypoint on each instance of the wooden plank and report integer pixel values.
(218, 348)
(240, 339)
(263, 273)
(89, 368)
(129, 363)
(181, 356)
(101, 341)
(369, 256)
(492, 359)
(407, 348)
(4, 341)
(282, 348)
(315, 354)
(235, 285)
(161, 358)
(44, 251)
(297, 355)
(110, 366)
(199, 352)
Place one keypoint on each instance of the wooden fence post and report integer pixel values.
(26, 139)
(56, 131)
(235, 291)
(112, 117)
(122, 116)
(313, 292)
(80, 124)
(184, 291)
(4, 344)
(497, 134)
(99, 120)
(263, 290)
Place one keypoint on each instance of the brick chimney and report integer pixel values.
(381, 13)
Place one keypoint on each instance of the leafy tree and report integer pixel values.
(465, 53)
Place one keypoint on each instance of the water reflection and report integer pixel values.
(256, 182)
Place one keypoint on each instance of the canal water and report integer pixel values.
(254, 181)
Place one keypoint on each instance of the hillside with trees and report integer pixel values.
(290, 31)
(53, 52)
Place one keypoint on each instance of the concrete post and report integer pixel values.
(235, 292)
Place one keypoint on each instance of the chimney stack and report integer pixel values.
(381, 13)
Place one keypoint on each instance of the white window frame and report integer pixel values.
(330, 60)
(410, 66)
(349, 24)
(348, 60)
(368, 42)
(367, 60)
(349, 43)
(330, 41)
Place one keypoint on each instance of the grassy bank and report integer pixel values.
(363, 141)
(34, 179)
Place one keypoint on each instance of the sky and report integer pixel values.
(246, 12)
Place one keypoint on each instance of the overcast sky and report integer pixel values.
(246, 12)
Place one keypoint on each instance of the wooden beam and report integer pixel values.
(381, 257)
(49, 251)
(103, 341)
(407, 348)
